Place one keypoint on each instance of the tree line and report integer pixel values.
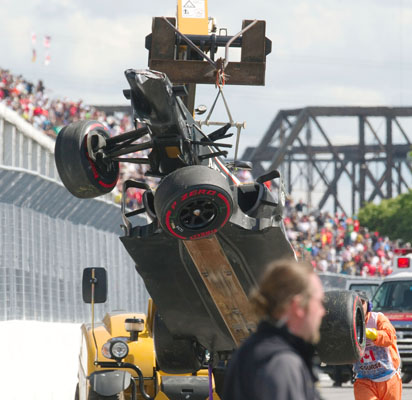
(392, 217)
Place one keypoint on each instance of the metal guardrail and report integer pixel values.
(25, 149)
(23, 146)
(48, 236)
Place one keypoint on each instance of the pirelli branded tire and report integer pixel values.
(343, 328)
(193, 202)
(82, 176)
(175, 355)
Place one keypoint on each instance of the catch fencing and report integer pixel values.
(48, 236)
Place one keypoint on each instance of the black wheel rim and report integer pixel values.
(359, 326)
(198, 214)
(104, 168)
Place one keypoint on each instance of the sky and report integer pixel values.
(324, 52)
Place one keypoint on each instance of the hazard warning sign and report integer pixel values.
(193, 8)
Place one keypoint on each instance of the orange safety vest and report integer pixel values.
(377, 363)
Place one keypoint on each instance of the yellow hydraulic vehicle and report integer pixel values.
(117, 356)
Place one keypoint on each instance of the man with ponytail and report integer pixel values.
(275, 362)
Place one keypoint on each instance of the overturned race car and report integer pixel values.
(207, 237)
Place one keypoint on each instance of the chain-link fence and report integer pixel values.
(47, 236)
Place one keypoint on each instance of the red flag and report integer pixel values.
(46, 41)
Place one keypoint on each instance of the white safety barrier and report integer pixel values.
(48, 236)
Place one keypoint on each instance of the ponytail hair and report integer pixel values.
(279, 284)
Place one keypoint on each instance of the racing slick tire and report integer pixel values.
(406, 377)
(342, 331)
(193, 202)
(340, 374)
(175, 355)
(83, 177)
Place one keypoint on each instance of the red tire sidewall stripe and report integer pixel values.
(108, 186)
(169, 227)
(95, 125)
(203, 235)
(93, 166)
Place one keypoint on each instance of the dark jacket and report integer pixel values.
(272, 364)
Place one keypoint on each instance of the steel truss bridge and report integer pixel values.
(301, 143)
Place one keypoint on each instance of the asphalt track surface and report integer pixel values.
(328, 392)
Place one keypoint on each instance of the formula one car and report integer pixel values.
(207, 237)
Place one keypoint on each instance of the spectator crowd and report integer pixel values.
(34, 104)
(337, 243)
(332, 243)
